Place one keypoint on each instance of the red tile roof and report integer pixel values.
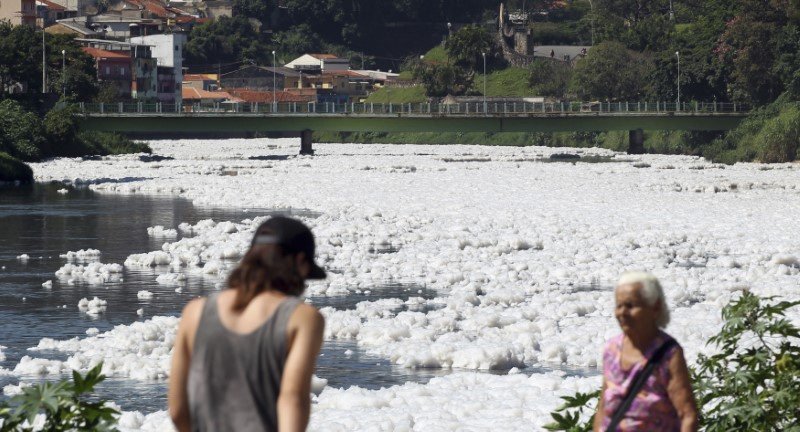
(52, 6)
(190, 93)
(99, 53)
(156, 9)
(265, 96)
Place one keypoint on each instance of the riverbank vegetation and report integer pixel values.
(751, 383)
(744, 52)
(67, 405)
(30, 128)
(26, 137)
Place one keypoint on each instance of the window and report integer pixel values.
(108, 70)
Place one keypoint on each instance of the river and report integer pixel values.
(42, 223)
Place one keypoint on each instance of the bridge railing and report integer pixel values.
(488, 108)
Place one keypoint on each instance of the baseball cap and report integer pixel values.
(293, 235)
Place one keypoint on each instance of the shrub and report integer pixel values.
(64, 405)
(104, 143)
(777, 141)
(20, 131)
(753, 383)
(12, 169)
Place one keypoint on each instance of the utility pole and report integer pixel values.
(483, 54)
(64, 75)
(274, 85)
(44, 65)
(678, 55)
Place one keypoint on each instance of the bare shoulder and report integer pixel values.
(677, 362)
(194, 307)
(307, 315)
(190, 317)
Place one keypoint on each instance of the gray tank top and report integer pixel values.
(235, 379)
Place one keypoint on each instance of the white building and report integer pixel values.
(167, 49)
(319, 62)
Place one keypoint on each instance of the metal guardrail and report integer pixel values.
(417, 109)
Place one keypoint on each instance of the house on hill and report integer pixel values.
(48, 12)
(167, 49)
(18, 12)
(260, 78)
(319, 62)
(113, 67)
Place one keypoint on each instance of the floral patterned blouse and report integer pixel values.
(651, 410)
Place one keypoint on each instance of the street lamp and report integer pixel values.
(274, 88)
(63, 74)
(483, 54)
(678, 55)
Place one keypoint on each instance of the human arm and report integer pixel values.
(306, 326)
(177, 397)
(679, 390)
(600, 415)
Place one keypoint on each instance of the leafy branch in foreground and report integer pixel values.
(752, 383)
(63, 404)
(576, 414)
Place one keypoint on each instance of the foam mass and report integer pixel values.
(512, 259)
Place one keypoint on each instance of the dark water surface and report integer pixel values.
(42, 223)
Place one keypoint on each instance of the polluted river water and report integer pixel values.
(497, 269)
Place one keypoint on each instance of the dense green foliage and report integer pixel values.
(770, 134)
(610, 71)
(227, 40)
(26, 137)
(453, 71)
(549, 77)
(20, 132)
(12, 169)
(64, 405)
(751, 384)
(72, 74)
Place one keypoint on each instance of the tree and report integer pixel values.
(549, 77)
(227, 40)
(298, 40)
(467, 45)
(639, 24)
(442, 79)
(259, 9)
(611, 72)
(20, 56)
(756, 44)
(20, 131)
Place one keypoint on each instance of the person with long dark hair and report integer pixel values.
(244, 357)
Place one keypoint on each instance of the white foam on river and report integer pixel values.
(522, 256)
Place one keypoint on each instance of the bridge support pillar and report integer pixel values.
(305, 143)
(636, 141)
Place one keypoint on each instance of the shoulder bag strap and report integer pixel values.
(638, 382)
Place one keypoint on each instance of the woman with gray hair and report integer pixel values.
(646, 384)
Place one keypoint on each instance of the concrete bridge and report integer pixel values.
(301, 119)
